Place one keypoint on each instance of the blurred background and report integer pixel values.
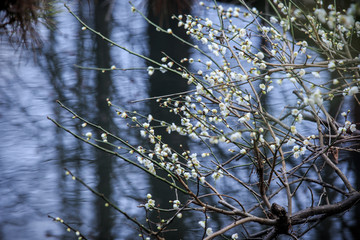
(34, 152)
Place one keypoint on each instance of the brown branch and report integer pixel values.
(239, 222)
(328, 210)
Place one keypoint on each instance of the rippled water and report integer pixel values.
(33, 151)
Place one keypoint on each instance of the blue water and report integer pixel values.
(34, 152)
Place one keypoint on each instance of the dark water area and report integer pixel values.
(34, 152)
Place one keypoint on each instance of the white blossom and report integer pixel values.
(262, 86)
(150, 70)
(273, 20)
(353, 90)
(176, 204)
(217, 175)
(88, 135)
(208, 22)
(341, 130)
(321, 15)
(353, 127)
(316, 97)
(316, 74)
(234, 236)
(302, 72)
(331, 66)
(295, 112)
(150, 204)
(235, 136)
(260, 55)
(204, 40)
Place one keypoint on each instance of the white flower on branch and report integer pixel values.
(234, 236)
(321, 15)
(273, 20)
(225, 108)
(242, 32)
(150, 70)
(299, 118)
(331, 66)
(235, 136)
(298, 151)
(295, 112)
(217, 175)
(353, 127)
(88, 135)
(202, 224)
(341, 130)
(150, 204)
(316, 74)
(260, 55)
(176, 204)
(353, 90)
(315, 98)
(208, 22)
(104, 137)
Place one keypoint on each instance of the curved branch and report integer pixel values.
(328, 210)
(239, 222)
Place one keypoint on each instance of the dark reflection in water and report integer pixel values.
(33, 152)
(161, 84)
(103, 82)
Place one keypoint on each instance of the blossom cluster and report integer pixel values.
(232, 78)
(233, 74)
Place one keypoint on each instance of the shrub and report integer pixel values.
(275, 158)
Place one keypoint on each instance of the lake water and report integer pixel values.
(34, 152)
